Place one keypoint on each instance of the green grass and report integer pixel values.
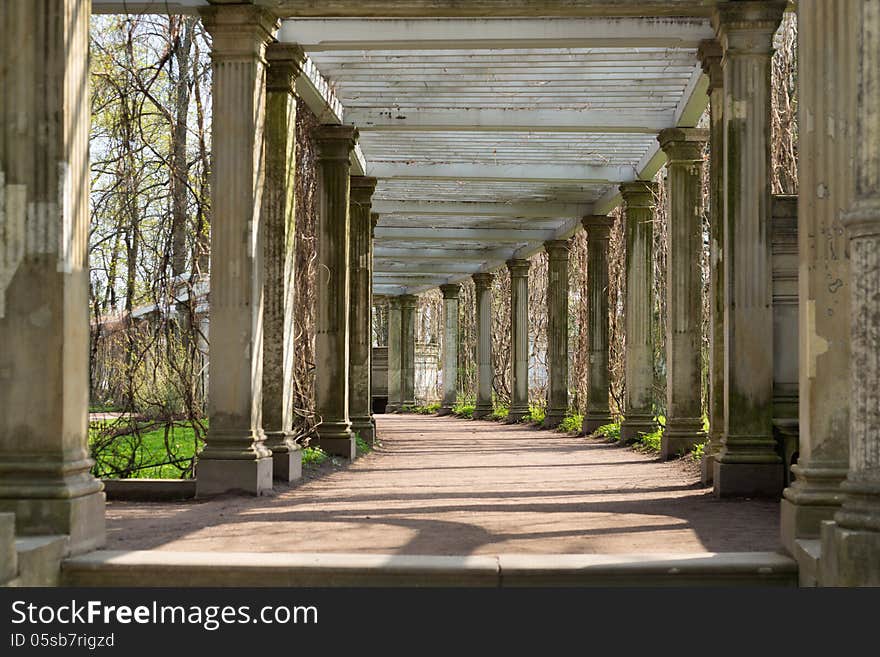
(426, 409)
(572, 422)
(464, 409)
(363, 447)
(159, 453)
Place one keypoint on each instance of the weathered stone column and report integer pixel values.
(557, 331)
(639, 197)
(684, 288)
(394, 360)
(827, 65)
(332, 302)
(710, 55)
(748, 463)
(519, 339)
(598, 413)
(374, 220)
(235, 456)
(44, 324)
(851, 544)
(484, 406)
(361, 313)
(408, 305)
(278, 260)
(450, 347)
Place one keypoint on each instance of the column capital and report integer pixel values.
(639, 194)
(380, 300)
(683, 144)
(597, 225)
(285, 62)
(408, 300)
(335, 142)
(362, 188)
(450, 290)
(709, 53)
(518, 267)
(483, 280)
(557, 249)
(738, 22)
(393, 302)
(239, 31)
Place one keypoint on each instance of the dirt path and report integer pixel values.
(450, 486)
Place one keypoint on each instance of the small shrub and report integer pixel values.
(572, 422)
(465, 410)
(500, 414)
(536, 414)
(313, 456)
(698, 451)
(609, 431)
(363, 447)
(427, 409)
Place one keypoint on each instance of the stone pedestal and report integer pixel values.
(557, 332)
(684, 288)
(235, 457)
(334, 145)
(450, 347)
(598, 412)
(285, 63)
(408, 305)
(394, 348)
(827, 63)
(484, 406)
(748, 463)
(519, 339)
(639, 197)
(360, 316)
(44, 324)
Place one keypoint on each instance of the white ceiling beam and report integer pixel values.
(487, 235)
(425, 266)
(493, 33)
(535, 210)
(441, 255)
(574, 173)
(147, 6)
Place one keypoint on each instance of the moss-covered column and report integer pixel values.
(235, 455)
(485, 373)
(709, 53)
(450, 346)
(748, 463)
(827, 68)
(557, 331)
(394, 349)
(44, 280)
(409, 304)
(598, 412)
(684, 291)
(360, 316)
(519, 339)
(851, 544)
(639, 198)
(285, 62)
(332, 303)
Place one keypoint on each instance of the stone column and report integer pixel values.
(408, 305)
(235, 456)
(450, 347)
(851, 544)
(394, 349)
(557, 331)
(639, 309)
(598, 413)
(684, 291)
(748, 463)
(334, 145)
(360, 316)
(827, 64)
(484, 406)
(709, 53)
(374, 220)
(519, 339)
(278, 260)
(44, 294)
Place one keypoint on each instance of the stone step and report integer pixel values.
(39, 559)
(8, 555)
(166, 568)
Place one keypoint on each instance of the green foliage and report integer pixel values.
(465, 410)
(425, 409)
(125, 448)
(363, 447)
(536, 414)
(571, 423)
(650, 442)
(698, 451)
(609, 431)
(500, 413)
(314, 456)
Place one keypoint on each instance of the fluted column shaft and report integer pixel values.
(598, 412)
(639, 197)
(408, 305)
(44, 294)
(684, 288)
(332, 300)
(450, 347)
(557, 331)
(360, 316)
(827, 65)
(519, 339)
(748, 463)
(235, 456)
(285, 63)
(394, 356)
(485, 374)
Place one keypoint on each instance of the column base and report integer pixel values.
(218, 476)
(634, 426)
(344, 447)
(363, 427)
(680, 436)
(392, 407)
(517, 414)
(748, 479)
(444, 410)
(707, 469)
(802, 521)
(80, 518)
(593, 420)
(850, 557)
(287, 466)
(482, 411)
